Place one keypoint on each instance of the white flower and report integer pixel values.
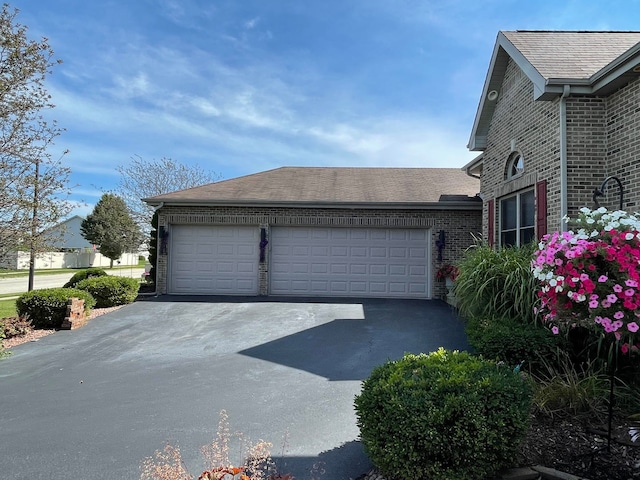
(629, 236)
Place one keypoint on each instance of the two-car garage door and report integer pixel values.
(304, 261)
(359, 262)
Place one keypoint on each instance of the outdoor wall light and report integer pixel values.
(599, 192)
(440, 244)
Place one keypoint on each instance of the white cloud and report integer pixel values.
(251, 24)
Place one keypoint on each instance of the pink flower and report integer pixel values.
(631, 283)
(629, 292)
(617, 324)
(593, 304)
(624, 348)
(617, 288)
(632, 327)
(618, 315)
(601, 278)
(555, 330)
(611, 298)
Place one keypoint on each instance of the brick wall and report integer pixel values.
(460, 227)
(622, 152)
(531, 128)
(601, 141)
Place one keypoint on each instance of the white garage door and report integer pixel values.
(207, 260)
(365, 262)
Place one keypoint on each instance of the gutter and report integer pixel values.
(563, 157)
(470, 204)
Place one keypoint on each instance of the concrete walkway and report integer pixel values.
(94, 402)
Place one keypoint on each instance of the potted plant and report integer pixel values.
(448, 273)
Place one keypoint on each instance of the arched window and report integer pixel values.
(515, 166)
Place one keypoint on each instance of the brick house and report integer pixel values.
(303, 231)
(559, 113)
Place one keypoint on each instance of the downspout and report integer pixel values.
(564, 209)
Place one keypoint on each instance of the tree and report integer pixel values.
(142, 178)
(111, 227)
(33, 186)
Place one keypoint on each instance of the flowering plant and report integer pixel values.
(592, 276)
(447, 271)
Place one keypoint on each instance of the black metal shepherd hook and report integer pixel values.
(599, 192)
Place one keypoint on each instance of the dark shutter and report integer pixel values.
(491, 222)
(541, 208)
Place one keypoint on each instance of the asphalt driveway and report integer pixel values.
(94, 402)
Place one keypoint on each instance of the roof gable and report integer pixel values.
(582, 62)
(331, 186)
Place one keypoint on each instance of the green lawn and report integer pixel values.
(7, 308)
(24, 273)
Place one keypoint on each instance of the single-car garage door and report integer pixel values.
(213, 260)
(365, 262)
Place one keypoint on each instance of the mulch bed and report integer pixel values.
(568, 445)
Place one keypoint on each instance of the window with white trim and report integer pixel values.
(515, 166)
(517, 219)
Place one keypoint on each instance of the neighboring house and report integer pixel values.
(303, 231)
(66, 236)
(68, 249)
(559, 113)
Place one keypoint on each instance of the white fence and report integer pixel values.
(20, 260)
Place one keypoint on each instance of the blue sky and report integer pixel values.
(242, 86)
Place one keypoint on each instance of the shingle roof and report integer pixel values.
(571, 55)
(558, 62)
(332, 185)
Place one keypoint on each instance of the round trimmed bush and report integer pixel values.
(83, 275)
(111, 291)
(47, 308)
(446, 416)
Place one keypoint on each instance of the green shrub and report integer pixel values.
(47, 308)
(111, 291)
(445, 415)
(83, 275)
(512, 341)
(496, 283)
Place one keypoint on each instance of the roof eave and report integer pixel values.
(474, 167)
(447, 205)
(502, 51)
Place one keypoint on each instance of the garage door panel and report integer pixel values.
(395, 287)
(418, 270)
(398, 270)
(213, 260)
(319, 268)
(339, 251)
(376, 287)
(358, 269)
(398, 252)
(349, 262)
(378, 269)
(339, 268)
(300, 268)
